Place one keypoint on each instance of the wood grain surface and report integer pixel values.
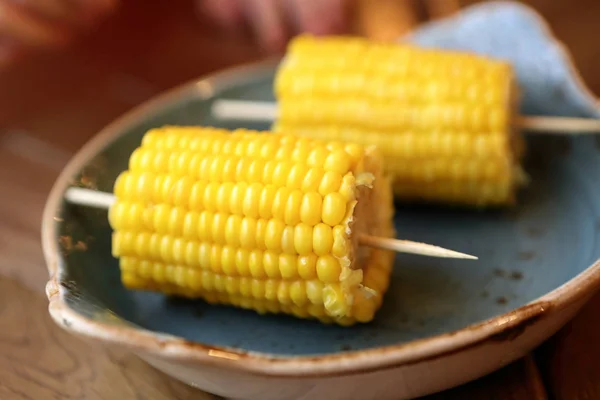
(52, 104)
(570, 361)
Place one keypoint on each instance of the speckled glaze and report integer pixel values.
(444, 322)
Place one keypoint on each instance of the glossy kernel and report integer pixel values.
(328, 269)
(310, 209)
(334, 209)
(322, 239)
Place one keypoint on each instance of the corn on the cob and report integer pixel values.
(442, 119)
(267, 222)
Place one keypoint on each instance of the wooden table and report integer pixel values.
(56, 102)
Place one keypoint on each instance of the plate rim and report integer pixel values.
(176, 348)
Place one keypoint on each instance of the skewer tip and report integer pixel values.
(405, 246)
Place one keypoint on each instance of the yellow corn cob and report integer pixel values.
(442, 119)
(267, 222)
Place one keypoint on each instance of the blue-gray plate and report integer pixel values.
(534, 262)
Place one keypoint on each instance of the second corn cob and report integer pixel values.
(443, 120)
(267, 222)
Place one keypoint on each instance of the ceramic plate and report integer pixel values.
(443, 322)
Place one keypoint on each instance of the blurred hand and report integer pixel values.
(27, 26)
(273, 21)
(31, 25)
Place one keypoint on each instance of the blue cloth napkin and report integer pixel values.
(550, 83)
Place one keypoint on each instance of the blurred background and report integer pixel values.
(69, 67)
(83, 63)
(73, 81)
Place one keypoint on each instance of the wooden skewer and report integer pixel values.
(89, 198)
(96, 199)
(558, 125)
(407, 246)
(262, 111)
(259, 111)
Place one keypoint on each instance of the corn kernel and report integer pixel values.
(287, 240)
(180, 276)
(190, 225)
(178, 250)
(228, 261)
(166, 245)
(261, 227)
(158, 273)
(303, 243)
(175, 221)
(223, 196)
(219, 283)
(204, 253)
(236, 201)
(298, 293)
(312, 179)
(241, 169)
(255, 264)
(191, 254)
(210, 196)
(273, 233)
(283, 293)
(280, 202)
(310, 209)
(215, 259)
(242, 262)
(268, 172)
(251, 200)
(334, 209)
(314, 292)
(232, 285)
(271, 264)
(161, 218)
(317, 157)
(248, 233)
(229, 170)
(334, 300)
(307, 266)
(322, 239)
(338, 161)
(154, 245)
(145, 269)
(196, 196)
(271, 289)
(193, 279)
(296, 176)
(266, 201)
(328, 269)
(233, 228)
(121, 184)
(246, 287)
(219, 222)
(330, 182)
(363, 311)
(288, 266)
(294, 201)
(281, 173)
(255, 171)
(341, 244)
(141, 243)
